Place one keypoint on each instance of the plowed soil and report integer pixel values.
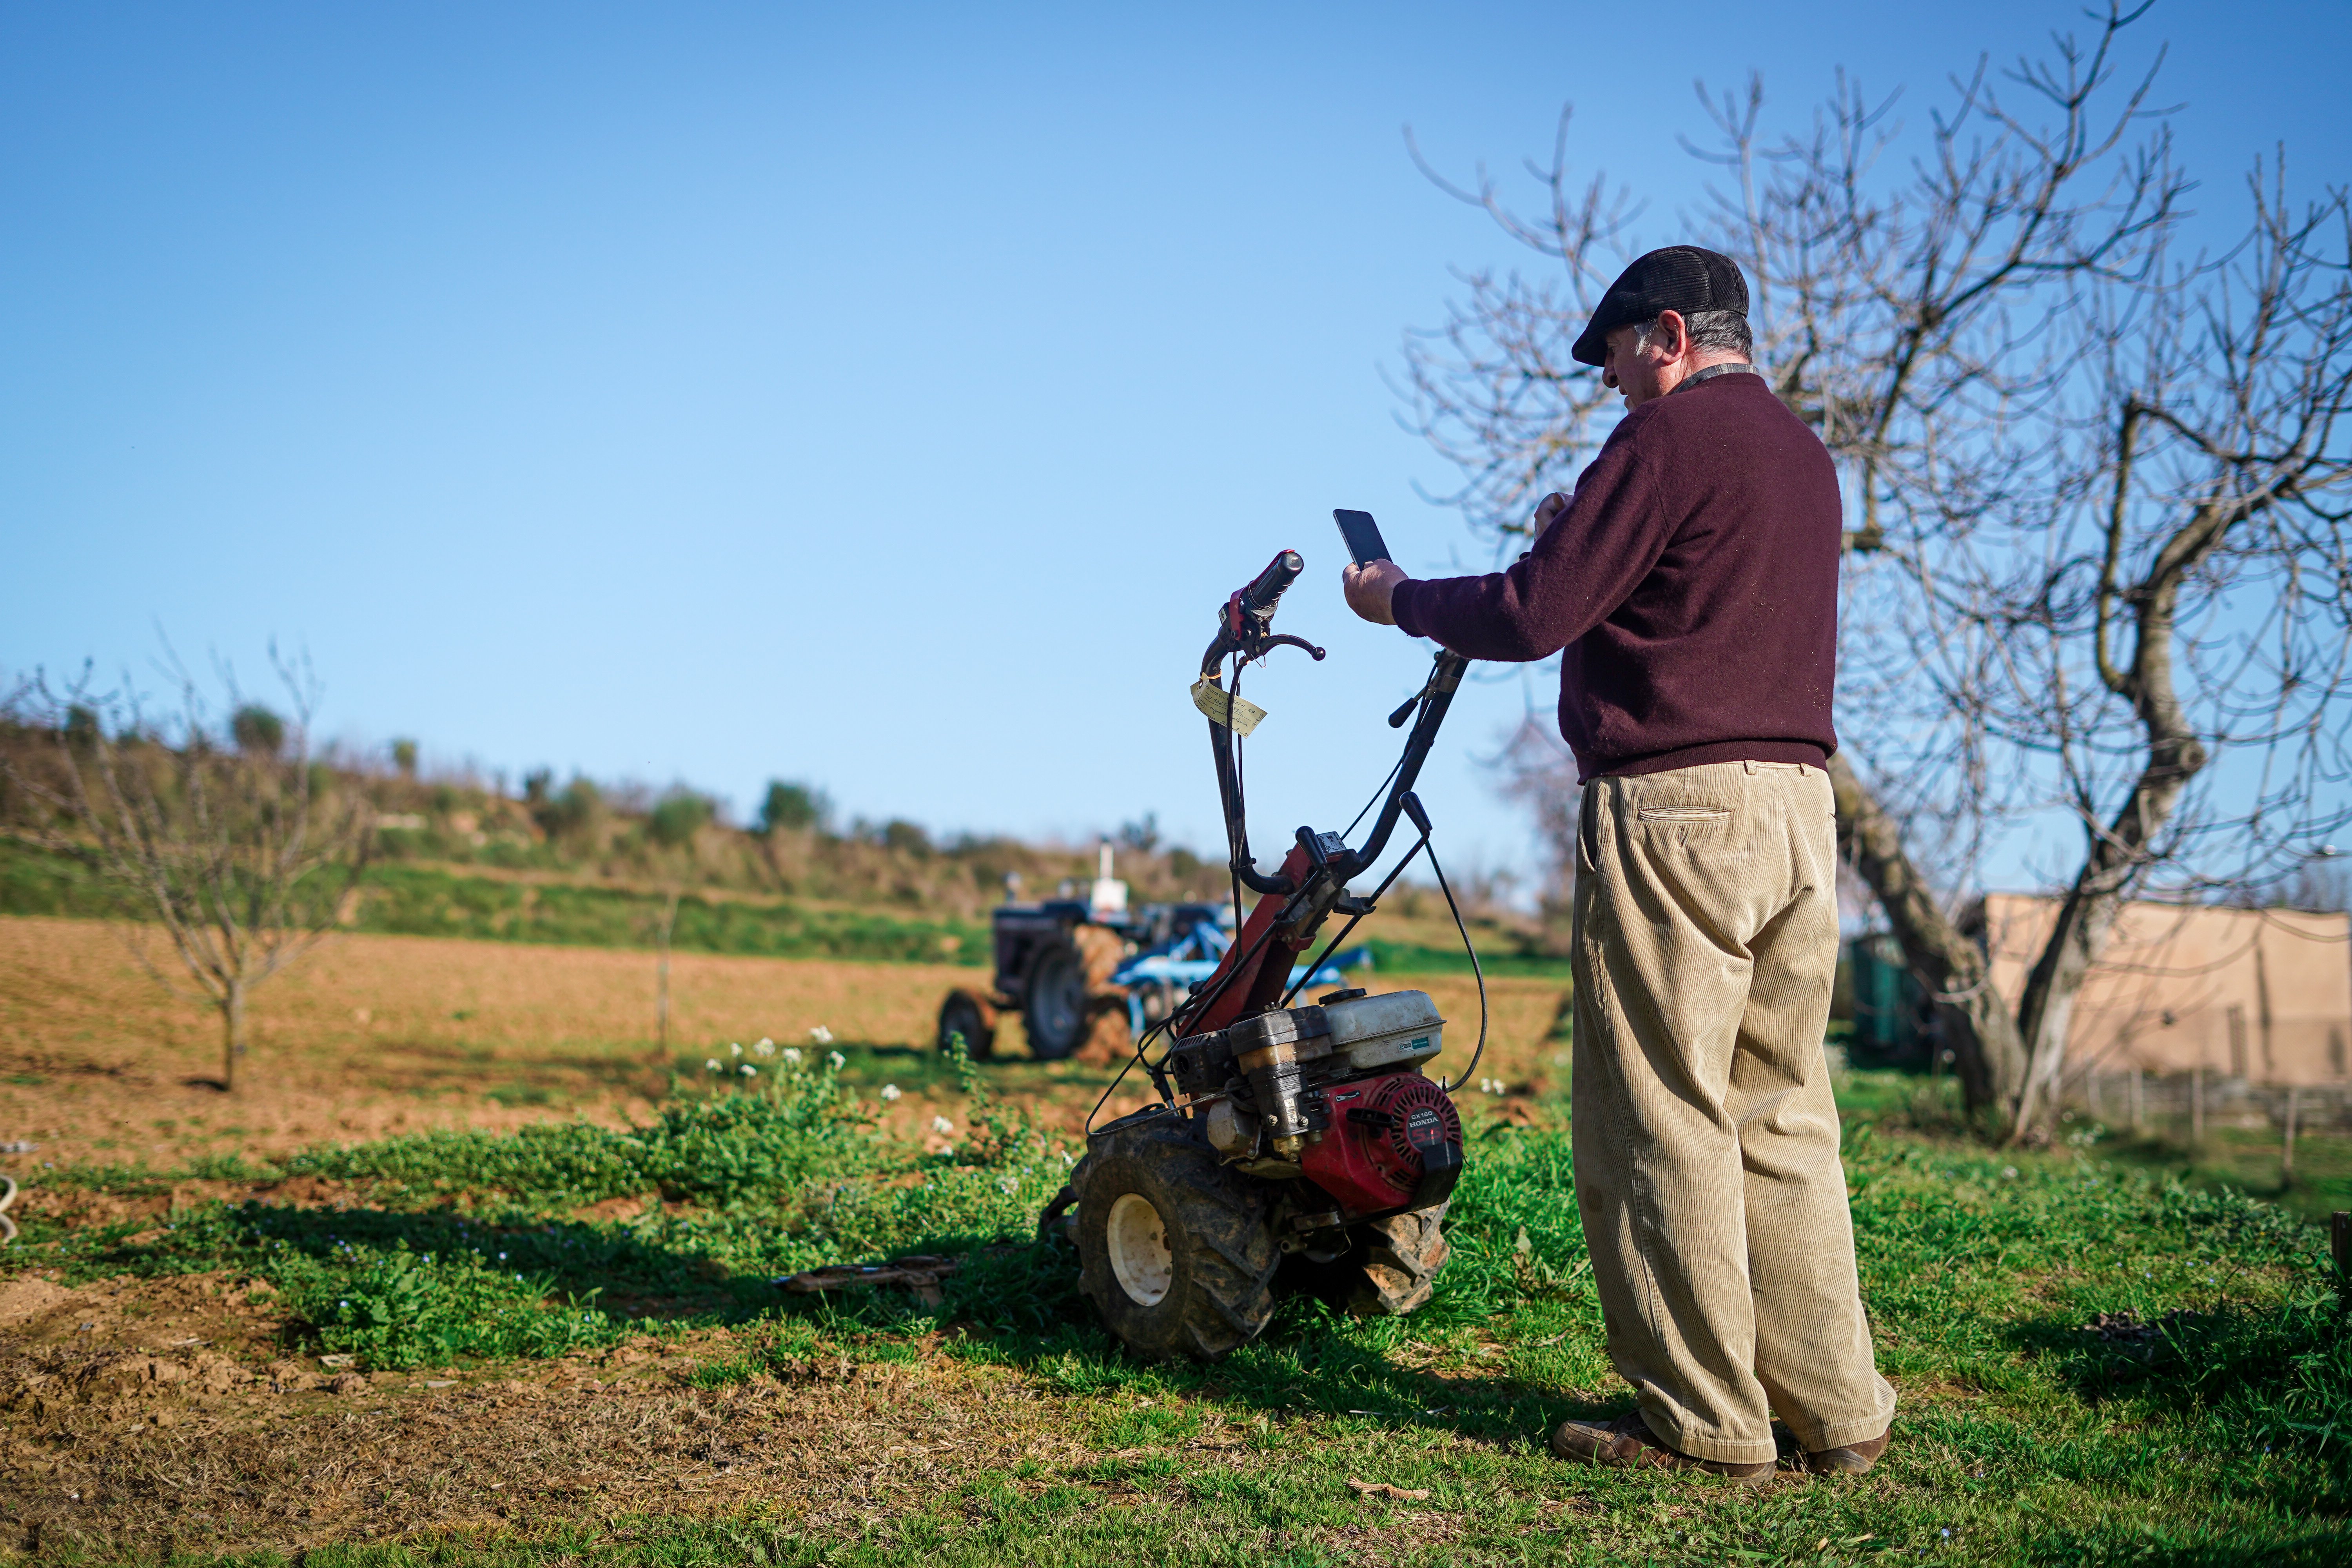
(374, 1034)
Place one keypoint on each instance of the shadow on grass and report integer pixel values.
(1020, 1307)
(1013, 1306)
(2244, 1379)
(2311, 1545)
(2186, 1359)
(627, 1275)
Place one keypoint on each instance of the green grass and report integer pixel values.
(2218, 1432)
(2246, 1159)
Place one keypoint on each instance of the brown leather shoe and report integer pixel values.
(1853, 1460)
(1628, 1440)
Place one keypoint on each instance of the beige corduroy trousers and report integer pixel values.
(1706, 1140)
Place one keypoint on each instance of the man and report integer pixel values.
(1692, 582)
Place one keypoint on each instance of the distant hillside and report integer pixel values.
(590, 864)
(430, 900)
(581, 831)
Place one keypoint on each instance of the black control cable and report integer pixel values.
(1468, 947)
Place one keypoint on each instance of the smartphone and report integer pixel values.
(1362, 535)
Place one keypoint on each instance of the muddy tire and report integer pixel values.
(967, 1014)
(1176, 1250)
(1396, 1262)
(1389, 1269)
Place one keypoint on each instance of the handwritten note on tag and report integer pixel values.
(1237, 714)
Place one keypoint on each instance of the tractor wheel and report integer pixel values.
(1055, 1013)
(1176, 1250)
(1390, 1269)
(964, 1013)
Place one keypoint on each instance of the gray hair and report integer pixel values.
(1725, 330)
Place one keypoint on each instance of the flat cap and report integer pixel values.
(1682, 278)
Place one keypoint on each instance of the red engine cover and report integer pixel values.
(1373, 1163)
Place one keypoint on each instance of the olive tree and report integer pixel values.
(2096, 480)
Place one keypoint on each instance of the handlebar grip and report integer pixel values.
(1274, 582)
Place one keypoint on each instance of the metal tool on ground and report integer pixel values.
(918, 1272)
(1293, 1146)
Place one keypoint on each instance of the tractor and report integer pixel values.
(1066, 964)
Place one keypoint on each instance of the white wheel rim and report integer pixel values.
(1140, 1259)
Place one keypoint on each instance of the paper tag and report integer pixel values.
(1238, 714)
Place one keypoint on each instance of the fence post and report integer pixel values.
(2138, 1116)
(2197, 1104)
(2091, 1092)
(2286, 1146)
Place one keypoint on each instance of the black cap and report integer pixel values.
(1681, 277)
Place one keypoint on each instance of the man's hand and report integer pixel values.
(1551, 506)
(1370, 588)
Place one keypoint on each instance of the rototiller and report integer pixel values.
(1293, 1147)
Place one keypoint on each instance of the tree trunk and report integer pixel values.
(1987, 1049)
(2121, 850)
(2085, 920)
(232, 1007)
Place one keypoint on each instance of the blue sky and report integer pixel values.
(881, 398)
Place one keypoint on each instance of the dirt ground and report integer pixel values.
(152, 1417)
(172, 1414)
(372, 1035)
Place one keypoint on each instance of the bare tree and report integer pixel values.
(227, 838)
(2096, 480)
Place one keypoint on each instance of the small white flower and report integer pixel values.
(748, 1070)
(941, 1124)
(712, 1065)
(2011, 1173)
(1068, 1159)
(1008, 1185)
(890, 1092)
(502, 1257)
(821, 1034)
(792, 1055)
(836, 1059)
(766, 1048)
(734, 1051)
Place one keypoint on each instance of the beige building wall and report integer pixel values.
(2262, 994)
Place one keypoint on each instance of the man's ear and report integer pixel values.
(1673, 335)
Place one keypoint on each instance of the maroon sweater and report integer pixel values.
(1692, 584)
